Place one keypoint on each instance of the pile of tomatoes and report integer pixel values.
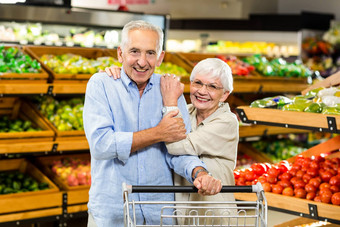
(313, 178)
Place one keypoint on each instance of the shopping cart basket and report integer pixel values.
(223, 213)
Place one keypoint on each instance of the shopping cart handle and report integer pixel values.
(186, 189)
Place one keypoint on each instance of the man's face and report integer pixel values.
(139, 57)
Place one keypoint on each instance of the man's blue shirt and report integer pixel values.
(113, 110)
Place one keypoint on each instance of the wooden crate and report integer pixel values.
(17, 108)
(75, 194)
(90, 53)
(17, 202)
(290, 203)
(24, 77)
(58, 133)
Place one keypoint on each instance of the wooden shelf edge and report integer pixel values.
(30, 214)
(289, 119)
(294, 204)
(262, 130)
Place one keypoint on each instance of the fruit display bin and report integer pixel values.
(32, 204)
(77, 196)
(13, 78)
(26, 141)
(254, 82)
(290, 119)
(304, 207)
(90, 53)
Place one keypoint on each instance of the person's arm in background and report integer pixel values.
(105, 142)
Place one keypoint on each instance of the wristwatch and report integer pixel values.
(167, 109)
(201, 170)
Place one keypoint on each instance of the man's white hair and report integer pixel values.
(142, 25)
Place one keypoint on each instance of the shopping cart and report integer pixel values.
(196, 213)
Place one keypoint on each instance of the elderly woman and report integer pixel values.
(214, 136)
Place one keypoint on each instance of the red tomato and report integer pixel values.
(268, 165)
(315, 182)
(299, 184)
(271, 179)
(317, 198)
(335, 180)
(293, 171)
(326, 176)
(324, 185)
(334, 189)
(267, 187)
(294, 180)
(284, 183)
(248, 183)
(310, 195)
(250, 175)
(262, 179)
(336, 160)
(336, 198)
(241, 181)
(288, 191)
(236, 174)
(314, 165)
(319, 158)
(300, 173)
(313, 172)
(306, 177)
(300, 193)
(259, 168)
(326, 196)
(286, 176)
(276, 188)
(283, 166)
(310, 188)
(273, 171)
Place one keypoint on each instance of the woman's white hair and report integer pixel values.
(214, 68)
(142, 25)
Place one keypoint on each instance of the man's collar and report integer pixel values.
(127, 81)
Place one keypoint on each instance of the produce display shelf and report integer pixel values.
(262, 130)
(297, 206)
(23, 88)
(28, 204)
(303, 207)
(290, 119)
(90, 53)
(75, 194)
(39, 77)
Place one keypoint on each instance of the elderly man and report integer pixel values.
(126, 133)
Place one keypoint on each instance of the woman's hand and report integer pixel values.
(171, 89)
(113, 71)
(207, 185)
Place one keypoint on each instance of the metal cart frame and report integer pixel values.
(223, 213)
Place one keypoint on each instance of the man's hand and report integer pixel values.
(207, 185)
(171, 128)
(171, 89)
(113, 71)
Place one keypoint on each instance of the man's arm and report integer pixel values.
(170, 129)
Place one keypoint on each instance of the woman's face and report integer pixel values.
(206, 93)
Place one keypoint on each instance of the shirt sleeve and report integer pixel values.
(218, 137)
(99, 127)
